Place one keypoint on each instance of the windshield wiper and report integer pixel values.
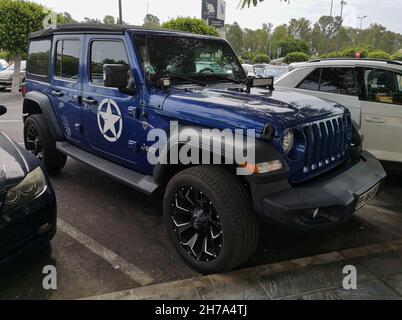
(228, 79)
(178, 76)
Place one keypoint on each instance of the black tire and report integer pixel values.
(232, 204)
(45, 147)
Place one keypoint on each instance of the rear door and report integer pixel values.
(66, 84)
(381, 104)
(111, 118)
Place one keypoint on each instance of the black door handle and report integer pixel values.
(57, 93)
(89, 101)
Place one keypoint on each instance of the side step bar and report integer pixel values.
(131, 178)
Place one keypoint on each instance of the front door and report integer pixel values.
(111, 125)
(381, 105)
(66, 85)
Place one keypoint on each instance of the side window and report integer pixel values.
(106, 52)
(338, 80)
(312, 81)
(67, 59)
(382, 86)
(38, 58)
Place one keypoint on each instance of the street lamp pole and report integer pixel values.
(332, 7)
(120, 13)
(361, 21)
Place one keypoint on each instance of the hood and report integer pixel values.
(15, 162)
(6, 74)
(224, 108)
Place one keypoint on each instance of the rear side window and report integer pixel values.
(312, 81)
(383, 86)
(67, 59)
(38, 58)
(106, 52)
(338, 80)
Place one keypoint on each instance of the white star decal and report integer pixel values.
(110, 120)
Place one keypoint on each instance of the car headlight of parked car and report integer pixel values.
(32, 186)
(288, 141)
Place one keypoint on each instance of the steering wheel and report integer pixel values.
(205, 70)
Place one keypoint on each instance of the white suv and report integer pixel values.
(370, 89)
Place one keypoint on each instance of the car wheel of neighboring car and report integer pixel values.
(38, 139)
(210, 219)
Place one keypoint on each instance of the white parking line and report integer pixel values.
(115, 260)
(10, 121)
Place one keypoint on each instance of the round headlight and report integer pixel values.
(288, 141)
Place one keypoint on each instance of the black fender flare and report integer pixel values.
(264, 151)
(45, 108)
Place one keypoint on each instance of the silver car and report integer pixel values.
(6, 76)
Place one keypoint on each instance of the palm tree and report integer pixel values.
(248, 2)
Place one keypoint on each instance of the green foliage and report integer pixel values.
(262, 58)
(379, 54)
(241, 60)
(332, 55)
(248, 56)
(351, 52)
(5, 55)
(65, 18)
(249, 2)
(234, 35)
(291, 44)
(191, 25)
(296, 57)
(397, 56)
(151, 21)
(17, 20)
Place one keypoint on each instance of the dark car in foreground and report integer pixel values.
(27, 200)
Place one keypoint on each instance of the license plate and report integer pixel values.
(366, 197)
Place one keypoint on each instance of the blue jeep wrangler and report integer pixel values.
(94, 93)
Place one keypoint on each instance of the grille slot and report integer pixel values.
(327, 142)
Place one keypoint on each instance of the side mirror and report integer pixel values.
(3, 110)
(116, 75)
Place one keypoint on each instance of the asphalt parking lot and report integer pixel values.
(112, 238)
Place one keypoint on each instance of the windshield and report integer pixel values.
(185, 59)
(11, 67)
(274, 72)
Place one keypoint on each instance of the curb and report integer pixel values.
(188, 285)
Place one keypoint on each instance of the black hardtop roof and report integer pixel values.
(109, 29)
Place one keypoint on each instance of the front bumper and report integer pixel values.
(29, 226)
(335, 195)
(4, 84)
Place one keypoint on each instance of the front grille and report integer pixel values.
(327, 145)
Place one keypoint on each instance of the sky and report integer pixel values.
(385, 12)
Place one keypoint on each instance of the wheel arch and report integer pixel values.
(39, 103)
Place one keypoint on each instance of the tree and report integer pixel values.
(17, 20)
(109, 20)
(191, 25)
(65, 18)
(300, 29)
(296, 57)
(249, 2)
(92, 21)
(234, 35)
(151, 21)
(262, 58)
(291, 44)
